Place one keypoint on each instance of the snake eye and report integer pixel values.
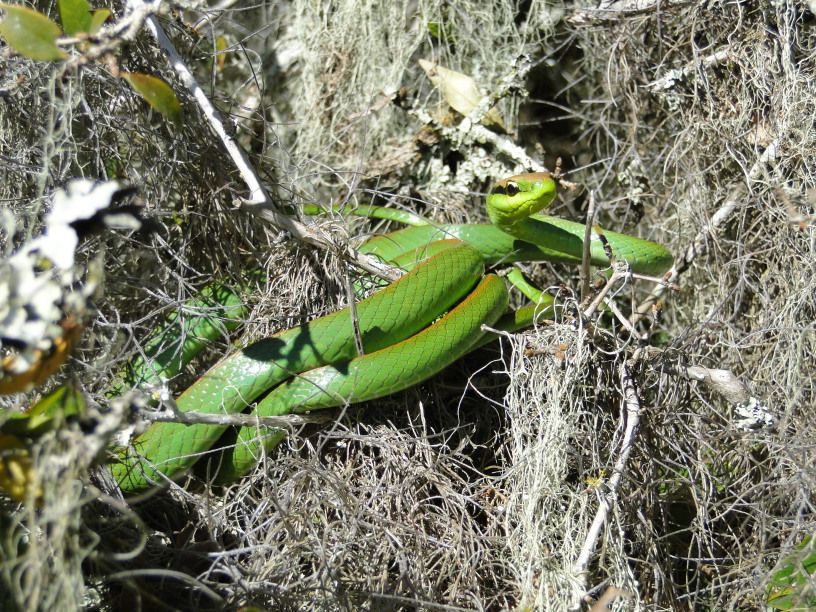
(512, 188)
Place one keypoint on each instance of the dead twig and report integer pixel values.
(174, 415)
(753, 412)
(700, 244)
(614, 10)
(672, 77)
(469, 131)
(631, 421)
(509, 83)
(620, 272)
(585, 257)
(258, 201)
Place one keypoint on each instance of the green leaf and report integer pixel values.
(75, 16)
(30, 33)
(440, 31)
(221, 45)
(47, 414)
(156, 93)
(790, 587)
(98, 19)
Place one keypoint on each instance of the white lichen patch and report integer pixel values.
(37, 282)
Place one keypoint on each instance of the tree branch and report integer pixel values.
(699, 245)
(632, 420)
(258, 202)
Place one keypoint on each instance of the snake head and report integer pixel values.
(515, 198)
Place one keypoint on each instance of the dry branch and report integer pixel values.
(631, 418)
(469, 131)
(173, 415)
(700, 244)
(258, 202)
(615, 10)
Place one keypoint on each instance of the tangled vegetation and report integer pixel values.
(663, 465)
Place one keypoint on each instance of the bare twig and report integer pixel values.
(699, 245)
(722, 382)
(258, 201)
(470, 131)
(620, 271)
(622, 318)
(613, 10)
(607, 598)
(585, 257)
(753, 412)
(678, 74)
(211, 13)
(163, 574)
(632, 419)
(466, 133)
(114, 36)
(509, 83)
(355, 320)
(174, 415)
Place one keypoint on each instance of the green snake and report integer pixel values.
(409, 331)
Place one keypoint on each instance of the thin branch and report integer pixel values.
(465, 134)
(258, 201)
(622, 318)
(699, 245)
(620, 271)
(615, 10)
(113, 36)
(469, 131)
(632, 418)
(355, 320)
(753, 412)
(174, 415)
(166, 575)
(211, 13)
(672, 77)
(585, 256)
(509, 83)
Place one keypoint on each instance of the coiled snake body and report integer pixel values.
(404, 340)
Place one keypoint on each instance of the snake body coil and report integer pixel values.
(316, 365)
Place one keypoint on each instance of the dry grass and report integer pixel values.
(477, 489)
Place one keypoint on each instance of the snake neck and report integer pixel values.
(527, 229)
